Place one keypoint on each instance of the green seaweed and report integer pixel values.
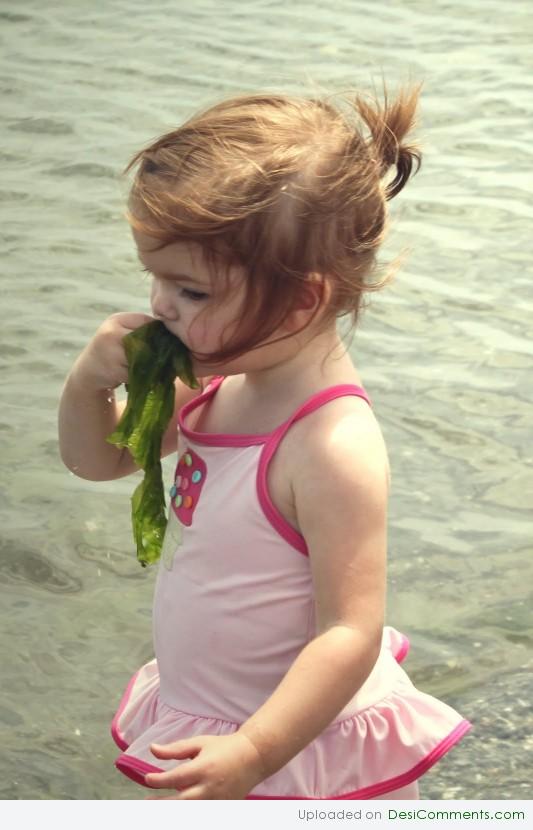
(155, 358)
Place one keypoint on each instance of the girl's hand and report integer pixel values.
(223, 767)
(102, 364)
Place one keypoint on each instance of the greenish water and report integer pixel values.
(446, 352)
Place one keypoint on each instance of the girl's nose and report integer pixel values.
(162, 301)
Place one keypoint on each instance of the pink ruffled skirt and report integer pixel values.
(386, 738)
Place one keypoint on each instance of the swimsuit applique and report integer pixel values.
(189, 480)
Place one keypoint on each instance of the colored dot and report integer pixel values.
(184, 483)
(196, 476)
(188, 502)
(178, 501)
(178, 481)
(188, 459)
(173, 491)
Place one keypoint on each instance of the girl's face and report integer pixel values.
(186, 299)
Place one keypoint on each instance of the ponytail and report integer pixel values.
(388, 126)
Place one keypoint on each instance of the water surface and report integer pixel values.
(445, 352)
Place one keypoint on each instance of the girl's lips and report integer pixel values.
(168, 327)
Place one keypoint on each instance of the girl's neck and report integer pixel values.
(321, 362)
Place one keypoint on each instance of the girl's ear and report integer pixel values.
(315, 293)
(310, 297)
(313, 299)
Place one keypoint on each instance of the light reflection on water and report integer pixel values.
(445, 353)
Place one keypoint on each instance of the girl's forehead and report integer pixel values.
(151, 249)
(150, 244)
(183, 258)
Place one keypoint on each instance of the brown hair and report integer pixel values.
(285, 187)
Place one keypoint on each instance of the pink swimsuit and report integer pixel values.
(234, 607)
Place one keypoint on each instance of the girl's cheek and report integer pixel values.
(200, 331)
(195, 341)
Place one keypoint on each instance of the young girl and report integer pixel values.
(259, 221)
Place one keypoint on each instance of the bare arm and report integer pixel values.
(319, 684)
(347, 547)
(89, 411)
(86, 417)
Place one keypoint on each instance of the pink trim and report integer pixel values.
(117, 737)
(136, 769)
(220, 439)
(392, 783)
(403, 651)
(215, 439)
(276, 519)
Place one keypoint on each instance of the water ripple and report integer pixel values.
(19, 564)
(446, 351)
(49, 126)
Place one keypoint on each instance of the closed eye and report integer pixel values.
(195, 296)
(188, 293)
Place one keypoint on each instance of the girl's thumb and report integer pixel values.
(179, 749)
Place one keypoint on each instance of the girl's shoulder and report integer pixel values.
(345, 430)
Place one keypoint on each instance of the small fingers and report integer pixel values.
(179, 750)
(178, 778)
(162, 780)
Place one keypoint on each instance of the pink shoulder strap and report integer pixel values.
(326, 395)
(278, 522)
(314, 402)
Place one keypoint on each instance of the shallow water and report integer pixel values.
(445, 352)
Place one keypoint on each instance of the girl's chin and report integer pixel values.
(202, 370)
